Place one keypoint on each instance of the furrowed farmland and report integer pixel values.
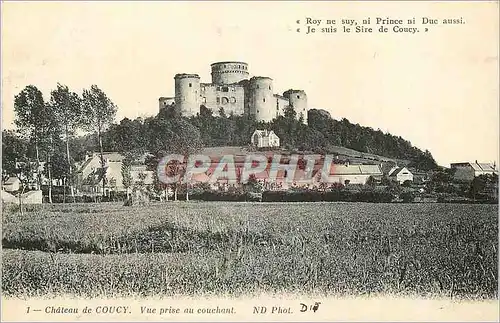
(96, 250)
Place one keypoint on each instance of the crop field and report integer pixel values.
(235, 249)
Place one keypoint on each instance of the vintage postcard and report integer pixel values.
(282, 161)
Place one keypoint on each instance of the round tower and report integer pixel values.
(261, 102)
(187, 94)
(297, 99)
(229, 72)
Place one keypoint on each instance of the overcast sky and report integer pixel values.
(437, 89)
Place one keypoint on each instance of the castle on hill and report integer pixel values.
(233, 90)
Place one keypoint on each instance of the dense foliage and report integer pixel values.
(319, 135)
(47, 132)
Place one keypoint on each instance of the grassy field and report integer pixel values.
(202, 248)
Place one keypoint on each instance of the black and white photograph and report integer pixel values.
(250, 161)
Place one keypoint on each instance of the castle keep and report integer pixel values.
(233, 90)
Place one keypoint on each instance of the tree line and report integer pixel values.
(45, 131)
(210, 129)
(61, 131)
(168, 131)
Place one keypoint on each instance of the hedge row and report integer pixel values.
(302, 196)
(329, 196)
(61, 198)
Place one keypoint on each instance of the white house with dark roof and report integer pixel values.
(467, 171)
(354, 174)
(400, 175)
(265, 138)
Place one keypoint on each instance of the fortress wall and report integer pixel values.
(164, 102)
(187, 93)
(298, 100)
(229, 97)
(281, 104)
(234, 92)
(261, 101)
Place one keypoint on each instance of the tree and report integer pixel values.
(287, 126)
(25, 170)
(99, 113)
(14, 148)
(67, 107)
(129, 136)
(59, 167)
(484, 186)
(50, 134)
(407, 183)
(253, 185)
(424, 161)
(126, 175)
(16, 161)
(174, 136)
(31, 119)
(152, 165)
(371, 182)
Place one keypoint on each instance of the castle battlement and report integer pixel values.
(234, 91)
(185, 76)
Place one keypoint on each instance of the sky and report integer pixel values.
(438, 89)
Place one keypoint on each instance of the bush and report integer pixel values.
(335, 195)
(219, 196)
(407, 197)
(61, 198)
(12, 208)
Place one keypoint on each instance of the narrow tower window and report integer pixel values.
(190, 85)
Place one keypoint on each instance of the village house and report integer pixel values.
(11, 184)
(265, 138)
(467, 171)
(400, 175)
(91, 175)
(354, 174)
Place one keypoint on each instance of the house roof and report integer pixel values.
(370, 169)
(264, 133)
(11, 180)
(486, 167)
(478, 167)
(396, 170)
(84, 165)
(200, 177)
(111, 156)
(355, 170)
